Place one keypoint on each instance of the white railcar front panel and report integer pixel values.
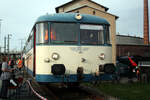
(72, 57)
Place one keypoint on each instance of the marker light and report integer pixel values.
(78, 16)
(102, 56)
(55, 56)
(47, 60)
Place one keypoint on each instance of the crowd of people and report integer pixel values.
(7, 74)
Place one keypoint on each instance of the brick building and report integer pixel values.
(131, 45)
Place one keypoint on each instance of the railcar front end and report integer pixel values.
(69, 48)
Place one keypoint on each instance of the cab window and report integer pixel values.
(42, 35)
(64, 33)
(91, 34)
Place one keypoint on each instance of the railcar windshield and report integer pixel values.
(42, 33)
(72, 33)
(91, 34)
(64, 33)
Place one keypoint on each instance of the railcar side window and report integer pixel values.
(107, 35)
(42, 33)
(29, 43)
(91, 34)
(64, 33)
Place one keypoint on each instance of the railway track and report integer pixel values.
(53, 92)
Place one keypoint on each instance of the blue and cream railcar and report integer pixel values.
(68, 47)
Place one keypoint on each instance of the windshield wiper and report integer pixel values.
(71, 41)
(88, 43)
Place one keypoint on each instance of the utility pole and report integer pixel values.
(5, 44)
(21, 43)
(0, 34)
(8, 43)
(0, 28)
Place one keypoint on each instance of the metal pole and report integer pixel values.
(0, 29)
(5, 44)
(8, 42)
(0, 33)
(21, 43)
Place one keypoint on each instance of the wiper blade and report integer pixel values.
(71, 41)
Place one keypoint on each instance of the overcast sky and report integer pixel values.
(18, 16)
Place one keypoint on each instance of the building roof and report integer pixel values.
(130, 36)
(129, 40)
(92, 8)
(106, 9)
(70, 17)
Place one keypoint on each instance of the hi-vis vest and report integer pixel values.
(19, 63)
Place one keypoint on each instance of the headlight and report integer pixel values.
(102, 56)
(55, 56)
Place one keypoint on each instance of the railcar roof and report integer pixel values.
(70, 17)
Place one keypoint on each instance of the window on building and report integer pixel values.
(94, 12)
(77, 12)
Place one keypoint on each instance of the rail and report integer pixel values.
(37, 94)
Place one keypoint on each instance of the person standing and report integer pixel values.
(5, 77)
(11, 63)
(20, 63)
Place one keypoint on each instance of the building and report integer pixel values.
(93, 8)
(129, 40)
(131, 45)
